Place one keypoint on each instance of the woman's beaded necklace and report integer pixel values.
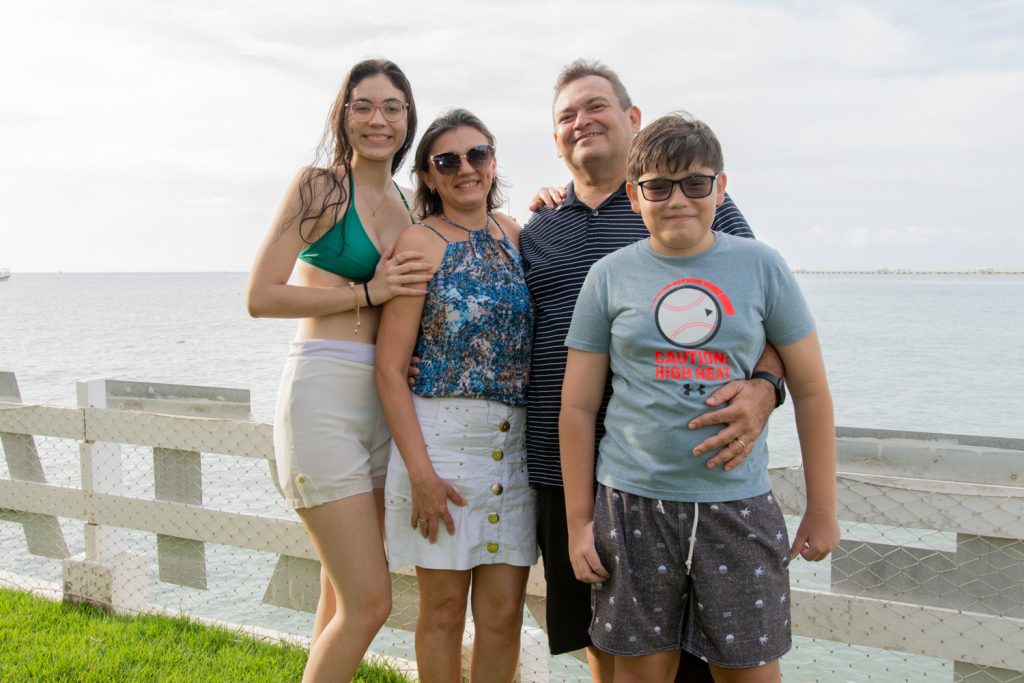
(470, 231)
(452, 223)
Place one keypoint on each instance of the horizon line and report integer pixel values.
(800, 270)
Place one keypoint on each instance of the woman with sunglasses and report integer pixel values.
(336, 229)
(459, 506)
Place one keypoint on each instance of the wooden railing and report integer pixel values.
(963, 602)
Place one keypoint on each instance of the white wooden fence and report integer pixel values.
(928, 583)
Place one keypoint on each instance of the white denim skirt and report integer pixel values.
(479, 446)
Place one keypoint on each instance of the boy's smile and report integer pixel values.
(679, 225)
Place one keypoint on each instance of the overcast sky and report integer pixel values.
(145, 136)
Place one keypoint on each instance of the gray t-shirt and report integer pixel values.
(676, 329)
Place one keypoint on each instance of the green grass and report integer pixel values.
(42, 640)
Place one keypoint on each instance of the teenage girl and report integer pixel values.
(329, 261)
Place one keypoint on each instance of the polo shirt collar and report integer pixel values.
(572, 200)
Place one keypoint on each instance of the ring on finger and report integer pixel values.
(741, 442)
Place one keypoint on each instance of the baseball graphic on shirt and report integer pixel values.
(688, 316)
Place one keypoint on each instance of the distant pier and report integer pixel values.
(905, 271)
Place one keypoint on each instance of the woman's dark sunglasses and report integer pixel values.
(448, 163)
(693, 186)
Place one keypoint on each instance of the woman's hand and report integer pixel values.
(399, 274)
(430, 496)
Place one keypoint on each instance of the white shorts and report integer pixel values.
(330, 437)
(468, 448)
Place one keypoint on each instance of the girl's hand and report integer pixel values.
(398, 275)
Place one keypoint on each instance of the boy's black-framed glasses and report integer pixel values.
(448, 163)
(391, 109)
(693, 186)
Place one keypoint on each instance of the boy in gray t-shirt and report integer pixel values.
(682, 556)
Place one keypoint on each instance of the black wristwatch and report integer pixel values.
(780, 386)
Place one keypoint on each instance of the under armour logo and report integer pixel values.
(687, 389)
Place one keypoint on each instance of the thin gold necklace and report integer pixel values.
(373, 210)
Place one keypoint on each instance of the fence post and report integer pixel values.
(43, 534)
(106, 574)
(178, 474)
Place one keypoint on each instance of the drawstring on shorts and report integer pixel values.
(693, 538)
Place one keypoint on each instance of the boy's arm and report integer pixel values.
(745, 408)
(818, 533)
(582, 391)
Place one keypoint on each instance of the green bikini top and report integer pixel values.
(346, 249)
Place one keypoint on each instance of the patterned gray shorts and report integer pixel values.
(732, 609)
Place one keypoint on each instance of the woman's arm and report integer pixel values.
(818, 533)
(268, 294)
(396, 339)
(582, 391)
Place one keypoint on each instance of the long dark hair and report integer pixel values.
(427, 202)
(335, 150)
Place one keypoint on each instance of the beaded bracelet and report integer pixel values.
(355, 298)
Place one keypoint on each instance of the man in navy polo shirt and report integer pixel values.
(595, 122)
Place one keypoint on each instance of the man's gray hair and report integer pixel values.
(582, 68)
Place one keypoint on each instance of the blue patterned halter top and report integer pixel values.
(476, 331)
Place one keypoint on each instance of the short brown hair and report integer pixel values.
(582, 68)
(672, 143)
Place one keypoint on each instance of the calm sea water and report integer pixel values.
(914, 352)
(910, 352)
